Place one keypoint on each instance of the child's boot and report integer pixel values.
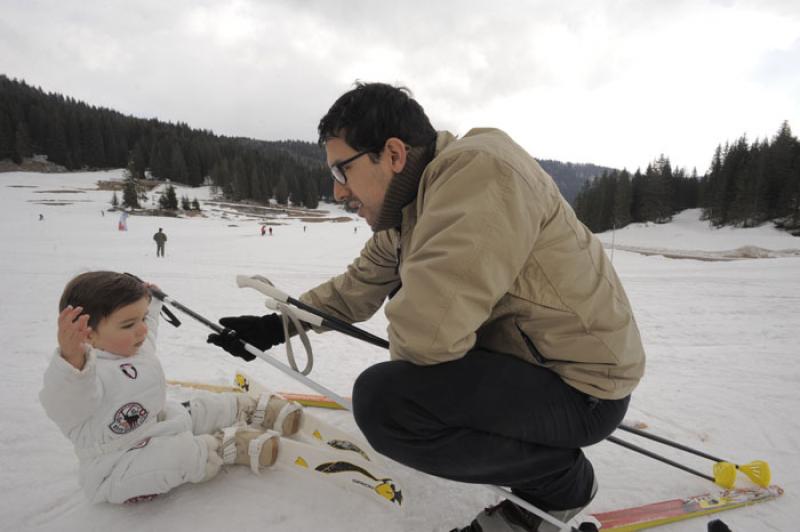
(272, 411)
(245, 445)
(214, 460)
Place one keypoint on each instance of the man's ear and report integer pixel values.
(397, 152)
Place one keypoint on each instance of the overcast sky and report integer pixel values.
(614, 83)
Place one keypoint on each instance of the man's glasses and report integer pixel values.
(337, 169)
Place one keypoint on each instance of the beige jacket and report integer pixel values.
(490, 256)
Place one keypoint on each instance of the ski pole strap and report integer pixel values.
(340, 325)
(171, 318)
(288, 314)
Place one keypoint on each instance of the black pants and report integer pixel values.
(487, 418)
(159, 250)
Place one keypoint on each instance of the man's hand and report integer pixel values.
(73, 334)
(262, 332)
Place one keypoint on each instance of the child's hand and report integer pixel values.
(73, 333)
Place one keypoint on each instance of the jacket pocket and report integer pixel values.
(531, 346)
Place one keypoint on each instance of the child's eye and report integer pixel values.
(127, 326)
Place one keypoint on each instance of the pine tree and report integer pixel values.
(130, 196)
(178, 171)
(185, 204)
(195, 205)
(311, 200)
(282, 192)
(169, 200)
(623, 198)
(114, 200)
(139, 157)
(7, 135)
(22, 143)
(783, 170)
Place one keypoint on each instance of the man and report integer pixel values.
(160, 239)
(512, 341)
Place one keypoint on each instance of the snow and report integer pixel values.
(721, 338)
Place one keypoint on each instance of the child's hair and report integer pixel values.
(101, 293)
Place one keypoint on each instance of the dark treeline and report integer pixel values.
(750, 184)
(745, 186)
(617, 198)
(570, 177)
(79, 136)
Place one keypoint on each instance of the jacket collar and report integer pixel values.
(403, 188)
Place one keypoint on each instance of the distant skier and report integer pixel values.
(106, 391)
(270, 231)
(263, 230)
(41, 217)
(160, 239)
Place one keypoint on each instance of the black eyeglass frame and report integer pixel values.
(337, 169)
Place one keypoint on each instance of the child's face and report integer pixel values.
(123, 331)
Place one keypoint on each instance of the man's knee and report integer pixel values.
(373, 395)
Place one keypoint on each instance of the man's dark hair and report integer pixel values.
(100, 293)
(368, 115)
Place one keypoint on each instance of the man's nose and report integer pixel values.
(340, 192)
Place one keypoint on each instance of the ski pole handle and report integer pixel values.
(263, 285)
(311, 319)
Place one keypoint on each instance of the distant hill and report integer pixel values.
(308, 152)
(68, 134)
(570, 177)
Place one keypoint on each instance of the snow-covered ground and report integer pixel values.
(721, 338)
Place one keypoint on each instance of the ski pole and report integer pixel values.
(265, 286)
(255, 351)
(724, 471)
(658, 457)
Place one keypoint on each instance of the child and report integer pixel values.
(106, 391)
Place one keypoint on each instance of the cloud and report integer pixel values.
(615, 83)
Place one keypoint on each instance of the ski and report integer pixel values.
(323, 450)
(336, 455)
(305, 399)
(347, 470)
(673, 510)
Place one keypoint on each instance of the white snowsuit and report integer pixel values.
(131, 441)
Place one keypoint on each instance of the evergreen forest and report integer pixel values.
(746, 185)
(79, 136)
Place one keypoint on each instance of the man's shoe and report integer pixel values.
(508, 517)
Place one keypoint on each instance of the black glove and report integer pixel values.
(262, 332)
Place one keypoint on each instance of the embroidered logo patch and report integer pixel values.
(128, 418)
(129, 370)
